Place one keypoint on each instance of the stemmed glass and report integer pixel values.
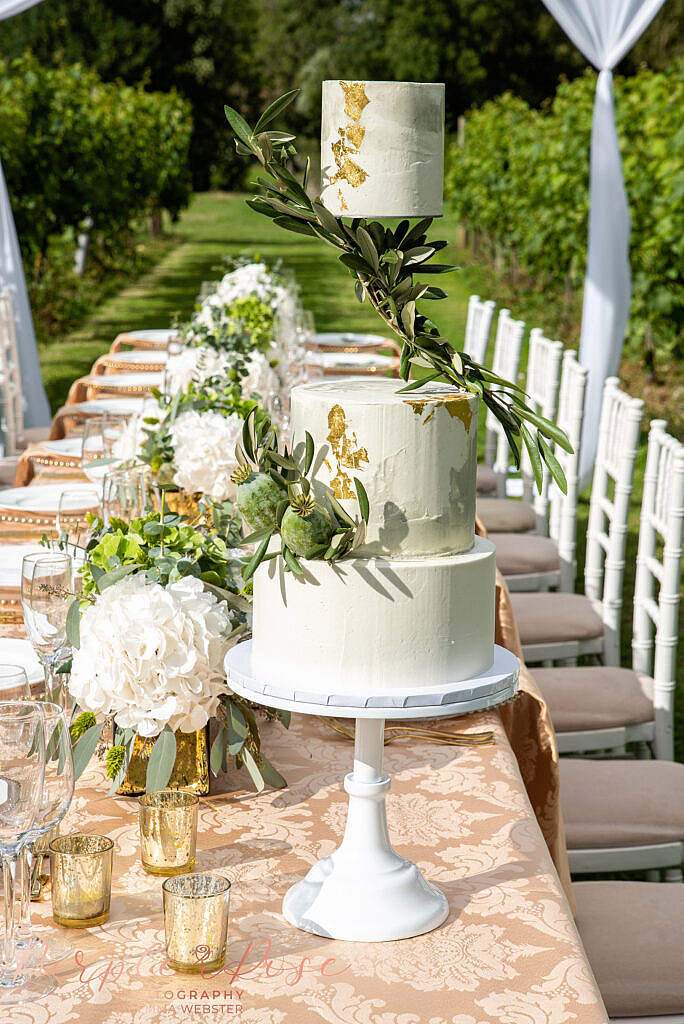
(98, 452)
(47, 593)
(22, 765)
(57, 793)
(71, 511)
(123, 494)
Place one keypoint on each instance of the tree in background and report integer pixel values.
(200, 47)
(247, 52)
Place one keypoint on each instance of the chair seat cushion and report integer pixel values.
(595, 697)
(505, 515)
(519, 553)
(621, 803)
(487, 480)
(633, 933)
(555, 618)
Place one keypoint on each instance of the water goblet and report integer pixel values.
(123, 494)
(47, 593)
(57, 793)
(22, 766)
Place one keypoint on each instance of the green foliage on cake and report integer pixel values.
(384, 261)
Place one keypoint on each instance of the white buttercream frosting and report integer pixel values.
(382, 149)
(415, 453)
(376, 622)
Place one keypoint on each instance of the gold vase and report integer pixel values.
(180, 503)
(190, 769)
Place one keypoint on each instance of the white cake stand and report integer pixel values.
(365, 891)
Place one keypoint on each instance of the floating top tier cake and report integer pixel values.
(414, 453)
(382, 149)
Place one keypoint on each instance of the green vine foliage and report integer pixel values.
(385, 262)
(522, 182)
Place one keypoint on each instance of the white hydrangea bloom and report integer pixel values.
(152, 656)
(204, 452)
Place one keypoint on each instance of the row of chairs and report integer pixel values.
(620, 814)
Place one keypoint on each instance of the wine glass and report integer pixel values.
(57, 793)
(14, 684)
(22, 765)
(47, 593)
(123, 494)
(72, 506)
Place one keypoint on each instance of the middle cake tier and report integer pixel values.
(378, 623)
(415, 453)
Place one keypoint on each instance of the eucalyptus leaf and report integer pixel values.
(162, 760)
(73, 624)
(270, 775)
(218, 750)
(85, 748)
(253, 769)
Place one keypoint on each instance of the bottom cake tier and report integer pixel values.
(384, 622)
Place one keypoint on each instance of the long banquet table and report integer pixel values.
(508, 952)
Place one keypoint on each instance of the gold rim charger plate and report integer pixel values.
(148, 338)
(345, 341)
(39, 504)
(114, 406)
(123, 384)
(136, 360)
(65, 453)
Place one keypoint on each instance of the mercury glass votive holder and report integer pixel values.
(168, 831)
(196, 922)
(81, 876)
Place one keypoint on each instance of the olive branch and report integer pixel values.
(384, 262)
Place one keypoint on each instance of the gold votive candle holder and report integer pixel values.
(168, 831)
(196, 922)
(81, 875)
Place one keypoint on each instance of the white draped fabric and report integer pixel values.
(604, 30)
(36, 408)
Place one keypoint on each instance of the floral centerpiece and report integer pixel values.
(189, 439)
(158, 612)
(242, 321)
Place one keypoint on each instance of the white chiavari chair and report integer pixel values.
(597, 707)
(527, 561)
(542, 382)
(478, 327)
(561, 626)
(506, 361)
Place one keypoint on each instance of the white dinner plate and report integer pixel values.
(117, 406)
(128, 380)
(346, 338)
(160, 334)
(45, 497)
(11, 557)
(351, 359)
(69, 447)
(20, 652)
(141, 355)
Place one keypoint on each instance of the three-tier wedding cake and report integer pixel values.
(413, 606)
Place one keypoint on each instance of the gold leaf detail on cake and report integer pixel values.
(349, 140)
(345, 448)
(355, 99)
(458, 407)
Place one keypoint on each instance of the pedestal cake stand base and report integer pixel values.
(365, 891)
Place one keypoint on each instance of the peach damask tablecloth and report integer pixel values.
(508, 952)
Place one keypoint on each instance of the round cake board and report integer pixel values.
(365, 891)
